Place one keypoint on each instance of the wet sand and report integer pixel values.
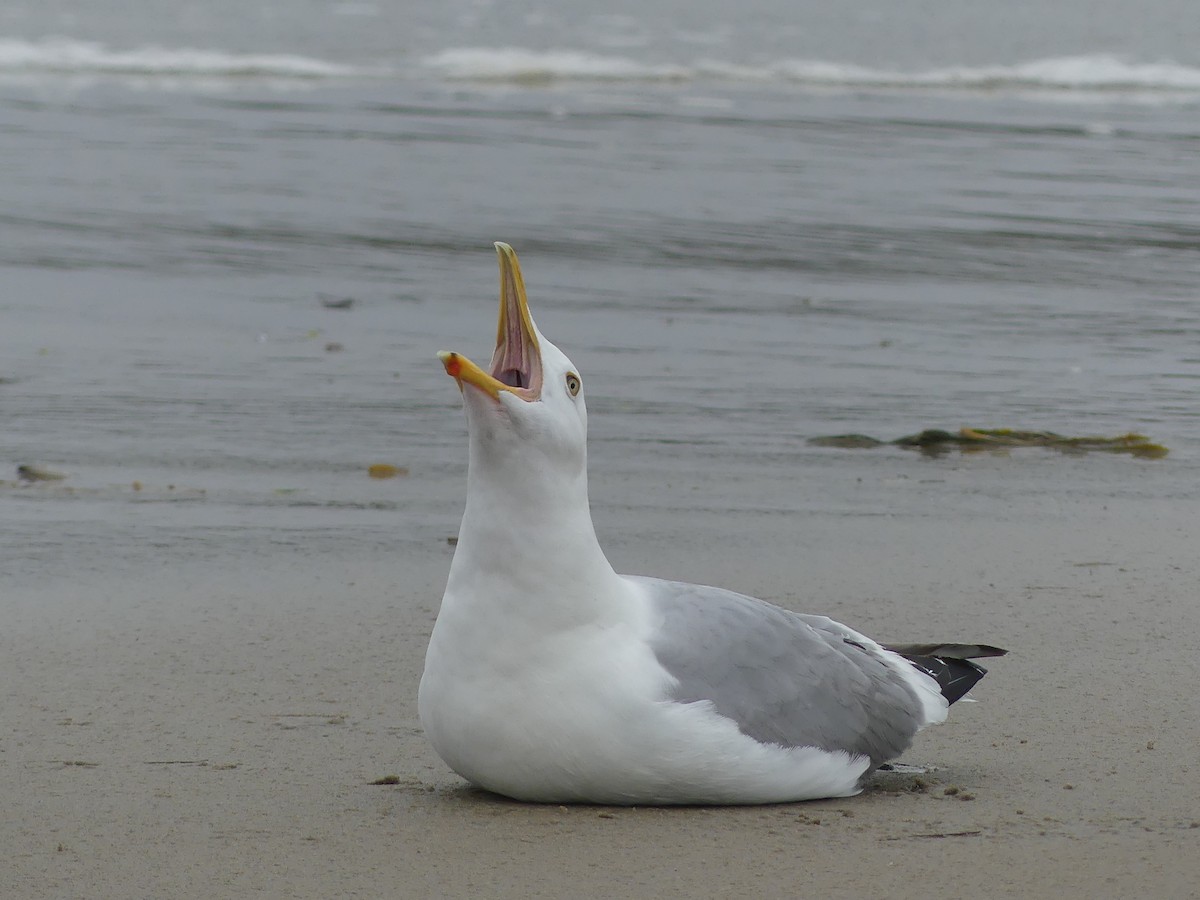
(206, 731)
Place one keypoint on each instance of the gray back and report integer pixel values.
(783, 677)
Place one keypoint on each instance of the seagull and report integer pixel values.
(551, 678)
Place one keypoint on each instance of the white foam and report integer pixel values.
(66, 57)
(514, 64)
(1084, 76)
(1100, 73)
(1095, 73)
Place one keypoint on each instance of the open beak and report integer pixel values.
(517, 363)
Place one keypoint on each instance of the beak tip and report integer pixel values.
(450, 360)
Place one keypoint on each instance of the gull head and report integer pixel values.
(527, 407)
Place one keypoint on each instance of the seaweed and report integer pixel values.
(936, 442)
(29, 473)
(386, 470)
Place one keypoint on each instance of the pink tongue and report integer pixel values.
(506, 365)
(512, 377)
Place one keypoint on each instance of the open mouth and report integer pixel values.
(517, 363)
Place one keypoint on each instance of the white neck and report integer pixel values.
(534, 526)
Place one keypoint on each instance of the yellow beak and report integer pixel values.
(462, 369)
(517, 363)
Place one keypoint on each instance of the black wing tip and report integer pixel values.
(989, 650)
(948, 664)
(955, 677)
(948, 651)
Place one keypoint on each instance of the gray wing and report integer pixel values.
(783, 677)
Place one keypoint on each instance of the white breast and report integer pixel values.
(583, 715)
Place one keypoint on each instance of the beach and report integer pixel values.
(232, 242)
(221, 736)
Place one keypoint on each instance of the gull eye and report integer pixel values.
(573, 383)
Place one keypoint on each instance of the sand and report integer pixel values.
(210, 732)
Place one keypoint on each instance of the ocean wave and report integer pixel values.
(66, 57)
(516, 65)
(1095, 74)
(1101, 72)
(1090, 73)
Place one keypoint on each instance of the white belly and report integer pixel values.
(585, 716)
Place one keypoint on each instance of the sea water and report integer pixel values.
(748, 224)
